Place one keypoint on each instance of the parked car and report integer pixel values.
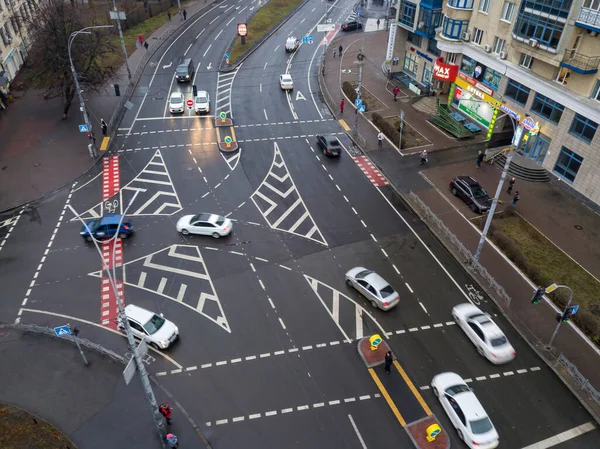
(329, 145)
(465, 411)
(176, 103)
(373, 287)
(469, 190)
(156, 329)
(106, 227)
(352, 26)
(202, 102)
(204, 224)
(292, 44)
(286, 82)
(487, 337)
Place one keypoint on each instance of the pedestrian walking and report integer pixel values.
(140, 40)
(516, 198)
(166, 411)
(334, 52)
(104, 127)
(340, 48)
(378, 22)
(146, 45)
(396, 91)
(480, 157)
(342, 106)
(511, 184)
(389, 359)
(172, 440)
(424, 157)
(184, 14)
(380, 139)
(169, 15)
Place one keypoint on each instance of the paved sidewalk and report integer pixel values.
(40, 152)
(550, 209)
(90, 404)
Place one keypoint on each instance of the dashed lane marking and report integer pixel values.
(493, 376)
(297, 408)
(12, 222)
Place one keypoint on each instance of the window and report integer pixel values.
(484, 6)
(583, 128)
(414, 39)
(545, 30)
(517, 92)
(407, 13)
(596, 92)
(452, 29)
(467, 65)
(567, 165)
(427, 74)
(492, 78)
(411, 63)
(559, 8)
(592, 4)
(462, 4)
(477, 36)
(508, 11)
(452, 57)
(563, 76)
(547, 108)
(525, 61)
(432, 47)
(498, 45)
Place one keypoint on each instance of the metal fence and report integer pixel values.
(582, 382)
(431, 219)
(50, 332)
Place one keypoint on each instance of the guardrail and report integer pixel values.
(582, 382)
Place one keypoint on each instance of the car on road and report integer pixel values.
(352, 26)
(184, 72)
(204, 224)
(487, 337)
(202, 102)
(292, 44)
(156, 329)
(106, 227)
(465, 411)
(329, 145)
(373, 287)
(176, 103)
(471, 192)
(286, 82)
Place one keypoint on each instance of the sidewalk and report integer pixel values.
(40, 152)
(90, 404)
(565, 221)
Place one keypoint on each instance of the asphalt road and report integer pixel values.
(267, 352)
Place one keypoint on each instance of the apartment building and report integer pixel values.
(13, 38)
(535, 61)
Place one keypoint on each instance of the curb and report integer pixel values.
(256, 45)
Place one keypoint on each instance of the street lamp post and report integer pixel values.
(141, 369)
(122, 41)
(91, 146)
(566, 308)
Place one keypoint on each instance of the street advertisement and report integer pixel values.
(444, 72)
(477, 104)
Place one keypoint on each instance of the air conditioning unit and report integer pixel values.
(533, 43)
(466, 36)
(502, 55)
(487, 48)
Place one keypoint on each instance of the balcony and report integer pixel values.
(589, 19)
(461, 4)
(585, 65)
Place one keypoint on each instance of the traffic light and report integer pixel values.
(568, 313)
(195, 90)
(117, 90)
(537, 296)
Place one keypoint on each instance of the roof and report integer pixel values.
(138, 313)
(469, 180)
(111, 219)
(470, 405)
(376, 281)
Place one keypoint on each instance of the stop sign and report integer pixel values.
(190, 103)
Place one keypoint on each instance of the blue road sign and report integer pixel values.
(361, 108)
(358, 102)
(226, 56)
(357, 12)
(574, 309)
(62, 331)
(307, 39)
(83, 128)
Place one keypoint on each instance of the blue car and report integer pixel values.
(106, 227)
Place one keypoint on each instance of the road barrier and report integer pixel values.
(582, 382)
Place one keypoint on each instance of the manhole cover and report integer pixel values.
(578, 227)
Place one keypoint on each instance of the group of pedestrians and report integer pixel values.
(336, 50)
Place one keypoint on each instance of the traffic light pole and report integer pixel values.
(360, 58)
(563, 314)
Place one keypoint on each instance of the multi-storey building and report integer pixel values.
(13, 38)
(533, 60)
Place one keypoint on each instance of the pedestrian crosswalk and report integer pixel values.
(353, 320)
(279, 202)
(224, 86)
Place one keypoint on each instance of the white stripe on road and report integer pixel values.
(359, 436)
(562, 437)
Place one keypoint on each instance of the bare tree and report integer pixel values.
(50, 28)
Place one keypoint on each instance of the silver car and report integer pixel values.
(176, 103)
(202, 102)
(373, 287)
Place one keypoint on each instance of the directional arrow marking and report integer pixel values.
(209, 66)
(167, 66)
(299, 96)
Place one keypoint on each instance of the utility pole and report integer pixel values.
(118, 16)
(563, 313)
(360, 58)
(401, 128)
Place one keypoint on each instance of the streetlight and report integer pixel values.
(123, 318)
(548, 290)
(91, 146)
(116, 15)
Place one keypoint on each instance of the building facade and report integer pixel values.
(535, 61)
(13, 38)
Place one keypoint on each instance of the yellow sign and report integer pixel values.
(432, 432)
(375, 341)
(477, 93)
(551, 288)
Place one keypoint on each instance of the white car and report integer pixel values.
(484, 333)
(176, 103)
(373, 287)
(292, 44)
(465, 411)
(202, 102)
(156, 329)
(286, 82)
(204, 224)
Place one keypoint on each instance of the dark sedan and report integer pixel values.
(469, 190)
(329, 145)
(351, 26)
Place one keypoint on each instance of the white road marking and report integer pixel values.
(408, 287)
(358, 435)
(204, 55)
(217, 36)
(188, 49)
(266, 117)
(282, 323)
(563, 436)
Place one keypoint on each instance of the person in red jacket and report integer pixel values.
(342, 106)
(166, 411)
